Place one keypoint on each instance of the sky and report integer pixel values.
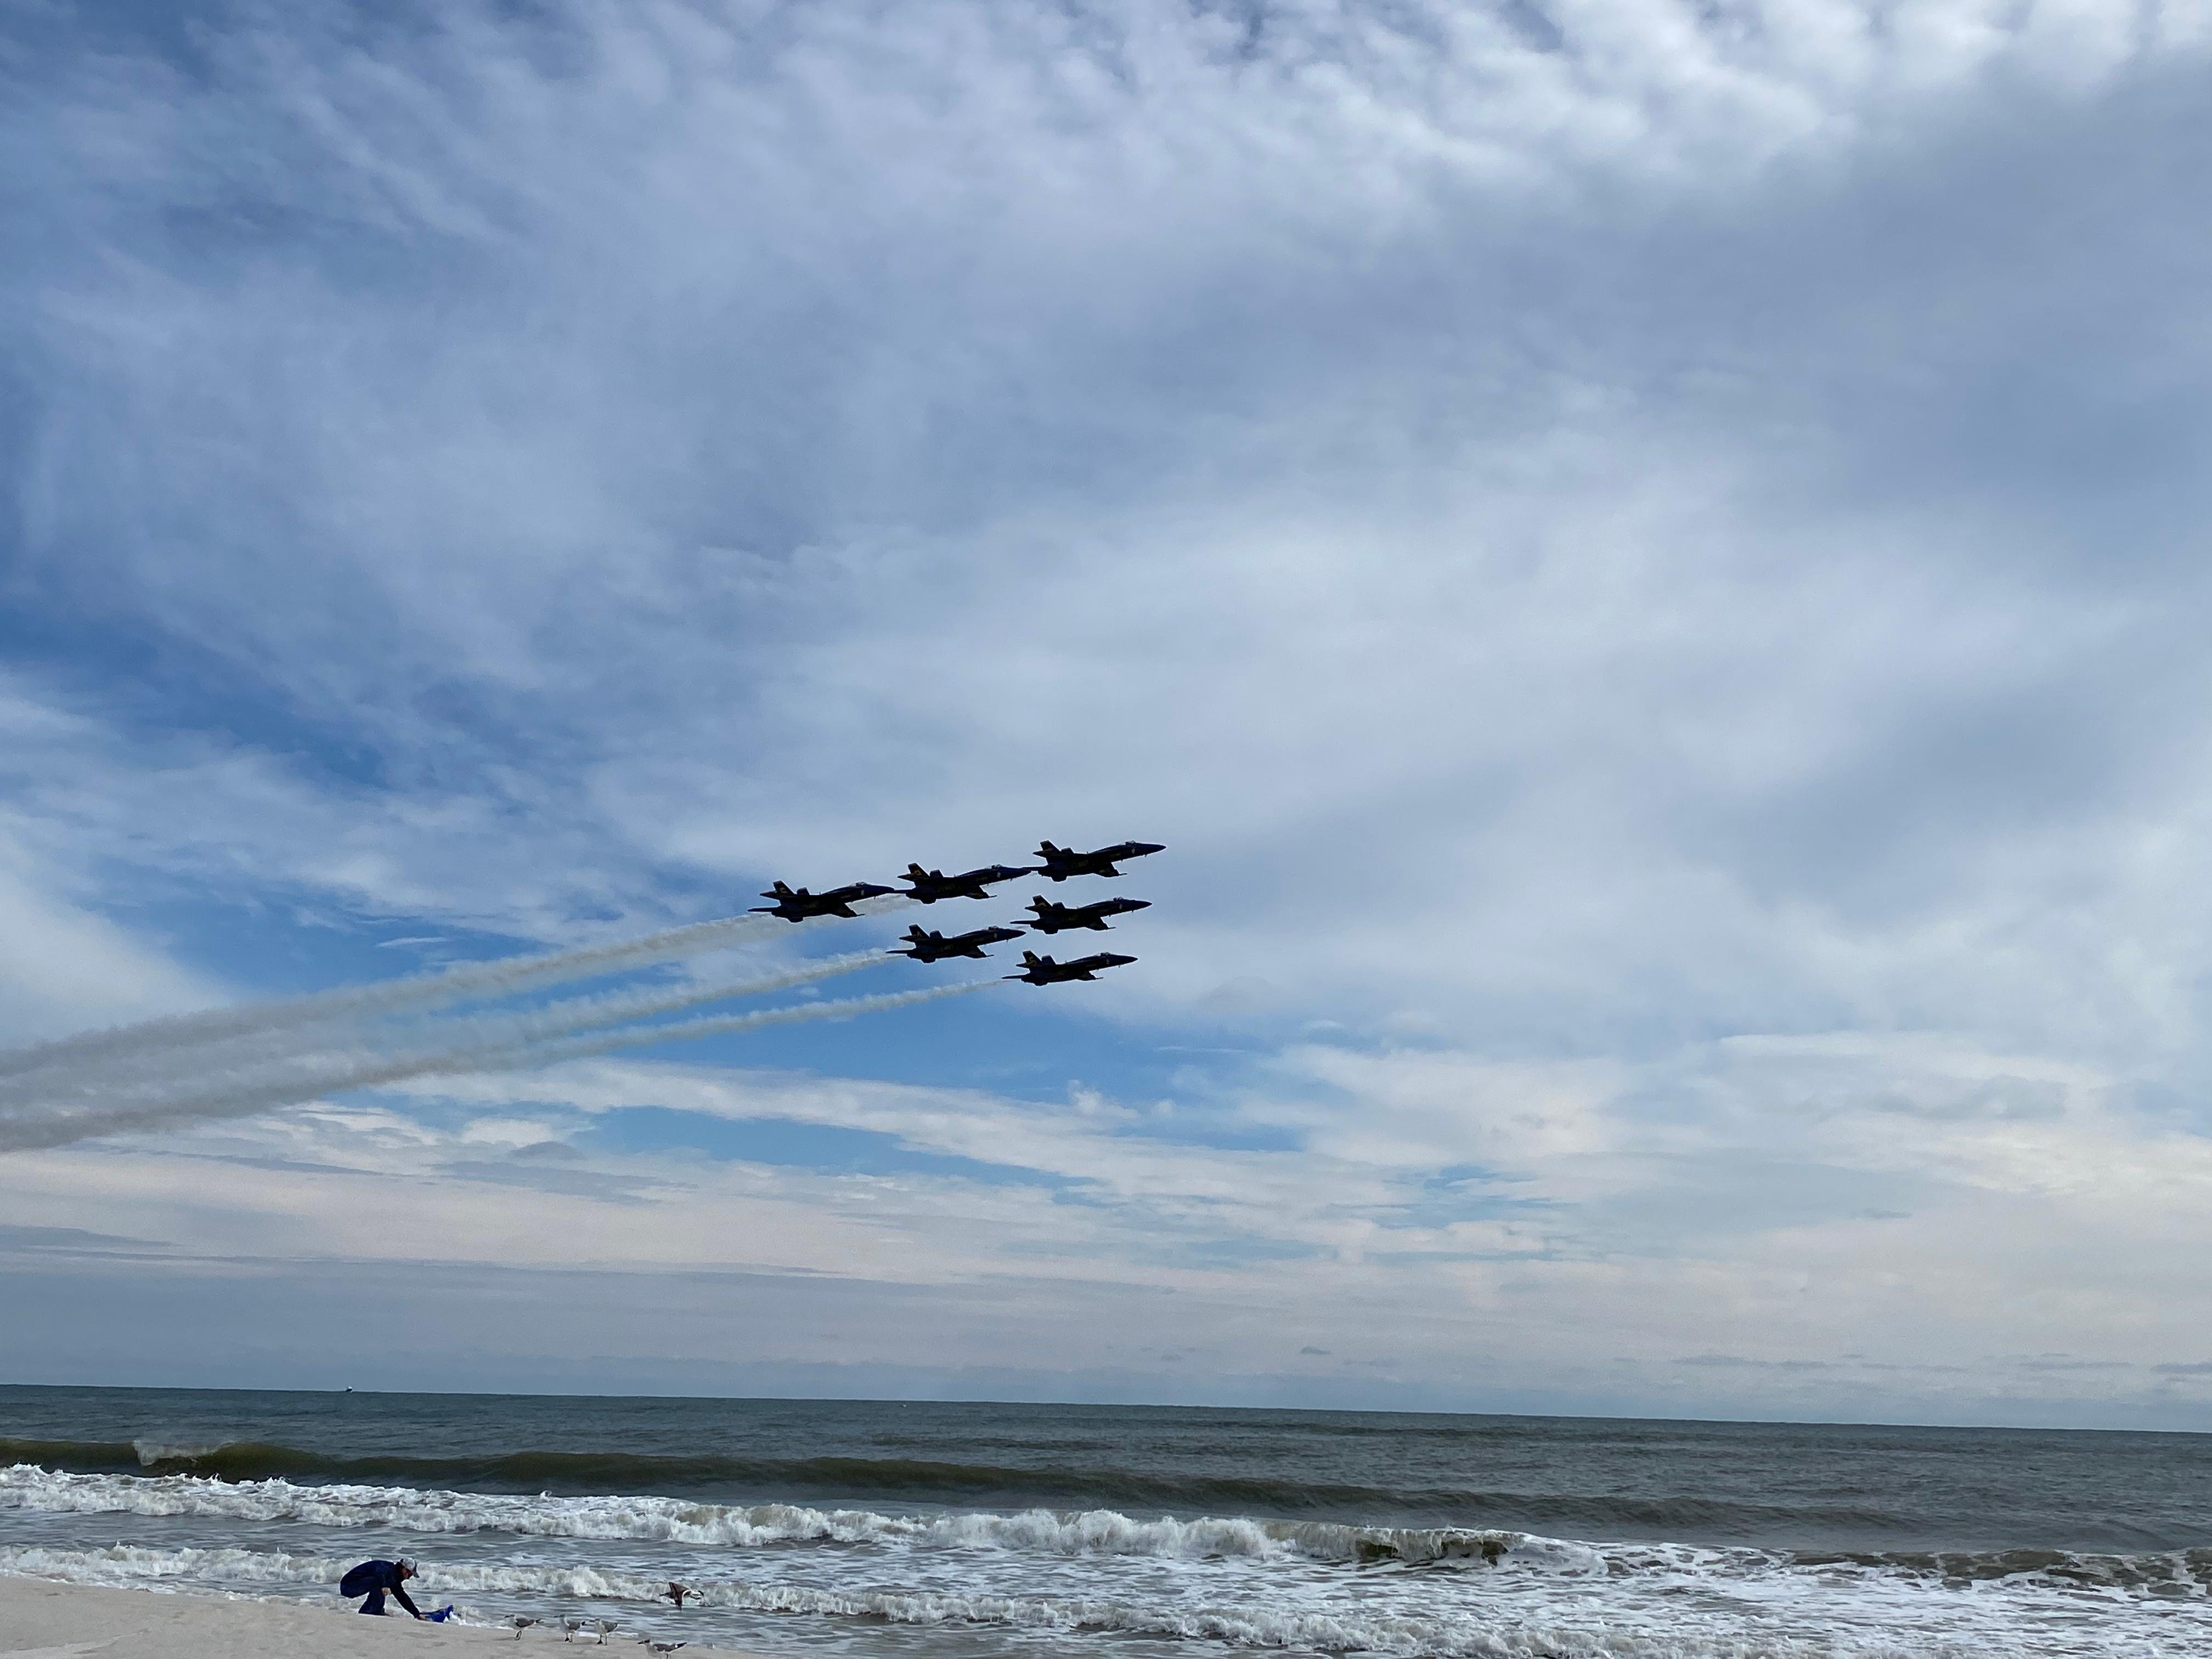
(1645, 560)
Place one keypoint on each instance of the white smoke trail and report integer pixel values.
(109, 1084)
(282, 1075)
(619, 1007)
(501, 1043)
(690, 1029)
(463, 982)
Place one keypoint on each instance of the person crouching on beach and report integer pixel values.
(374, 1578)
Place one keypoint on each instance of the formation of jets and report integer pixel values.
(928, 886)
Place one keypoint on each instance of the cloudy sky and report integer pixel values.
(1646, 558)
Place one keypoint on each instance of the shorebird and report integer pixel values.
(662, 1647)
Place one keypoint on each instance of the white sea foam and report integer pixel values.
(667, 1520)
(1447, 1637)
(1005, 1579)
(1423, 1626)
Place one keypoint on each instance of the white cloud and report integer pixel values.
(1762, 1204)
(1614, 543)
(67, 969)
(65, 965)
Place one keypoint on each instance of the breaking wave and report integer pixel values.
(1093, 1578)
(1105, 1532)
(973, 1484)
(1068, 1534)
(667, 1520)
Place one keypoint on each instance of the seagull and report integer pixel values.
(569, 1627)
(676, 1593)
(605, 1628)
(521, 1622)
(662, 1647)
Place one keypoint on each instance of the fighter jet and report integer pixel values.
(1062, 862)
(927, 886)
(797, 904)
(926, 946)
(1052, 918)
(1044, 970)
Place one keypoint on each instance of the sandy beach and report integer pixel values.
(41, 1619)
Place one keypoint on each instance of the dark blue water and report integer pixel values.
(995, 1527)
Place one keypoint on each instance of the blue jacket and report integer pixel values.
(374, 1578)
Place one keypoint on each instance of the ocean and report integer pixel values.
(936, 1530)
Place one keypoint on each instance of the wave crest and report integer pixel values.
(1087, 1532)
(978, 1486)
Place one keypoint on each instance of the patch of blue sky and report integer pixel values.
(1421, 1258)
(271, 940)
(1178, 1251)
(149, 680)
(176, 31)
(1453, 1177)
(1221, 1130)
(963, 1043)
(1443, 1207)
(163, 682)
(1240, 1250)
(788, 1143)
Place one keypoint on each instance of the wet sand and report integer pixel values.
(41, 1619)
